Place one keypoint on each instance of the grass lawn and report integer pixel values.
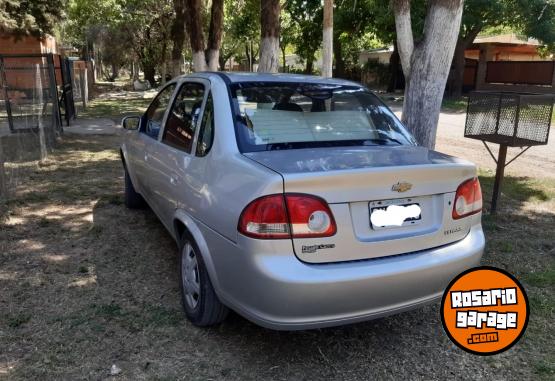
(102, 108)
(447, 105)
(115, 107)
(521, 239)
(86, 283)
(454, 105)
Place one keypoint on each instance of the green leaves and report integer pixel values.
(532, 18)
(536, 18)
(36, 17)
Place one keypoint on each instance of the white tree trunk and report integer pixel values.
(327, 51)
(405, 40)
(135, 70)
(269, 55)
(427, 67)
(213, 59)
(199, 61)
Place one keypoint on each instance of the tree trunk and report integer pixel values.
(222, 61)
(115, 72)
(456, 76)
(149, 72)
(248, 56)
(269, 36)
(309, 65)
(213, 57)
(215, 34)
(193, 21)
(199, 60)
(339, 61)
(99, 70)
(426, 65)
(163, 73)
(135, 70)
(284, 70)
(177, 36)
(394, 63)
(327, 45)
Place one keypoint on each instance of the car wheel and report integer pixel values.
(200, 302)
(133, 200)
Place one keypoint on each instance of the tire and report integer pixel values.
(133, 200)
(200, 302)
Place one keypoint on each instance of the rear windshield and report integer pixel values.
(273, 115)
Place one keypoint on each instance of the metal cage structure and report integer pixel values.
(514, 120)
(34, 86)
(510, 120)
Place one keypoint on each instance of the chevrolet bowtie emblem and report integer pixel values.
(401, 187)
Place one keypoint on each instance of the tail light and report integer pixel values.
(287, 216)
(265, 218)
(468, 199)
(310, 216)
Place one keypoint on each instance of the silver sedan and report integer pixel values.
(299, 202)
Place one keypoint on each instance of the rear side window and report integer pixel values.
(183, 117)
(155, 113)
(206, 133)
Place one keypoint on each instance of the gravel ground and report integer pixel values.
(538, 161)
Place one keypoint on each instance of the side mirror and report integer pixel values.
(131, 122)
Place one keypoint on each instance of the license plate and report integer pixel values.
(394, 213)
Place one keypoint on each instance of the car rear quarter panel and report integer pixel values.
(230, 183)
(221, 184)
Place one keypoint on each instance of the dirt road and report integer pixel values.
(538, 161)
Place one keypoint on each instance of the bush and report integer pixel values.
(375, 73)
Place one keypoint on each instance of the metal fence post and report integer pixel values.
(530, 127)
(84, 86)
(3, 181)
(56, 117)
(499, 173)
(4, 82)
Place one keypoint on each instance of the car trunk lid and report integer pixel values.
(356, 181)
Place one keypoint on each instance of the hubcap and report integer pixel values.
(190, 276)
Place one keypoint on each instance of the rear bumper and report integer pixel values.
(278, 291)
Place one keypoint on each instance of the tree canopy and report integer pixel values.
(152, 33)
(36, 17)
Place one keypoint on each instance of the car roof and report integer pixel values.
(236, 77)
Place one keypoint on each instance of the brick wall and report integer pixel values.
(27, 45)
(21, 72)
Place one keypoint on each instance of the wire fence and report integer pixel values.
(29, 115)
(79, 77)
